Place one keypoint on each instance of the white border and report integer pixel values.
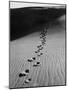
(26, 4)
(4, 43)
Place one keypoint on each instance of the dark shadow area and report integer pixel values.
(24, 21)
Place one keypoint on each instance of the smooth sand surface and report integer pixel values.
(52, 63)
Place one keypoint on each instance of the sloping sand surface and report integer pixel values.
(52, 63)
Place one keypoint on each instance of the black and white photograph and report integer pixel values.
(37, 44)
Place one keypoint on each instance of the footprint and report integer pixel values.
(36, 64)
(27, 80)
(27, 71)
(22, 75)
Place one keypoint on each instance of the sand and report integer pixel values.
(51, 70)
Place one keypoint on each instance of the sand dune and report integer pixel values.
(51, 70)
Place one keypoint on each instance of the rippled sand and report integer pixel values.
(52, 63)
